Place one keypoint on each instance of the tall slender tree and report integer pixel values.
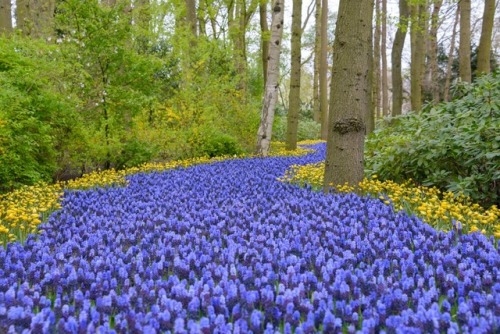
(433, 51)
(5, 17)
(323, 70)
(349, 102)
(450, 56)
(383, 55)
(396, 58)
(264, 38)
(376, 103)
(35, 17)
(265, 130)
(484, 49)
(464, 50)
(317, 57)
(417, 34)
(294, 94)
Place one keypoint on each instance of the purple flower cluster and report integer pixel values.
(226, 248)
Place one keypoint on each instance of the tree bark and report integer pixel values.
(349, 102)
(376, 79)
(464, 51)
(450, 57)
(323, 70)
(383, 55)
(5, 17)
(191, 18)
(317, 56)
(396, 59)
(484, 49)
(417, 54)
(433, 52)
(264, 133)
(35, 17)
(264, 42)
(294, 94)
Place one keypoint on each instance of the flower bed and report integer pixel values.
(227, 248)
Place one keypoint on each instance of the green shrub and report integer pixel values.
(308, 129)
(454, 146)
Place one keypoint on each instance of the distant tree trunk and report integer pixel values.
(383, 55)
(370, 117)
(264, 41)
(417, 54)
(484, 49)
(202, 18)
(450, 57)
(35, 17)
(191, 18)
(5, 17)
(464, 51)
(264, 133)
(433, 52)
(294, 94)
(396, 58)
(376, 78)
(317, 56)
(349, 102)
(323, 70)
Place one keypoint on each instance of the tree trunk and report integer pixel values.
(417, 54)
(35, 17)
(396, 57)
(464, 51)
(317, 56)
(450, 57)
(294, 94)
(264, 133)
(383, 55)
(484, 49)
(323, 70)
(191, 18)
(5, 17)
(376, 78)
(433, 52)
(202, 18)
(264, 42)
(349, 102)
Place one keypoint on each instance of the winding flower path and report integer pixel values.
(226, 248)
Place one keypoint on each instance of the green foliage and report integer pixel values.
(37, 120)
(453, 146)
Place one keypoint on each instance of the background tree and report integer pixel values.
(349, 102)
(323, 70)
(396, 57)
(35, 17)
(383, 55)
(264, 133)
(294, 96)
(417, 31)
(484, 49)
(464, 51)
(376, 62)
(316, 65)
(264, 44)
(5, 17)
(433, 52)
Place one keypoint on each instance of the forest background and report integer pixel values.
(92, 85)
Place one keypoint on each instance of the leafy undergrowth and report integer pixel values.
(227, 248)
(22, 210)
(442, 210)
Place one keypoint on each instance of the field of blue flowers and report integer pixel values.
(227, 248)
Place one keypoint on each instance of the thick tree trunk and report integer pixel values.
(317, 56)
(35, 17)
(383, 55)
(417, 54)
(433, 52)
(191, 18)
(396, 58)
(464, 50)
(294, 94)
(450, 57)
(349, 102)
(5, 17)
(376, 78)
(323, 70)
(264, 39)
(264, 133)
(484, 49)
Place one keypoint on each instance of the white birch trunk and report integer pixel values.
(264, 133)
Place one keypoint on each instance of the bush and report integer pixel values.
(307, 130)
(454, 146)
